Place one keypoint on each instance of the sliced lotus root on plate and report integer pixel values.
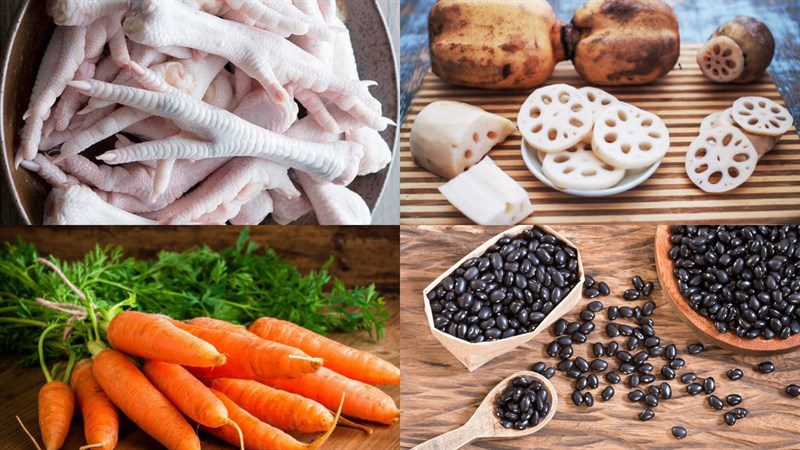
(578, 168)
(721, 59)
(762, 144)
(720, 159)
(710, 120)
(627, 137)
(555, 118)
(598, 98)
(759, 115)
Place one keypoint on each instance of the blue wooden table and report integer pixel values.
(698, 19)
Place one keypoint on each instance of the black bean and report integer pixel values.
(599, 365)
(591, 293)
(625, 330)
(679, 432)
(656, 351)
(578, 337)
(667, 372)
(654, 390)
(587, 315)
(607, 393)
(613, 378)
(766, 367)
(549, 372)
(612, 330)
(729, 418)
(637, 282)
(632, 343)
(648, 289)
(677, 363)
(735, 374)
(624, 356)
(666, 391)
(613, 312)
(574, 372)
(573, 327)
(633, 380)
(688, 377)
(651, 400)
(627, 368)
(641, 357)
(645, 368)
(587, 328)
(793, 390)
(582, 364)
(603, 288)
(631, 294)
(552, 349)
(648, 308)
(564, 340)
(577, 398)
(709, 385)
(652, 341)
(694, 388)
(581, 383)
(588, 281)
(598, 349)
(595, 306)
(588, 399)
(538, 367)
(646, 415)
(559, 327)
(696, 348)
(671, 351)
(648, 378)
(733, 399)
(636, 395)
(740, 413)
(715, 402)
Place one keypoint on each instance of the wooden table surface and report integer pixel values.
(387, 210)
(438, 394)
(697, 18)
(19, 386)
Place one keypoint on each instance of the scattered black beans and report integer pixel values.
(494, 298)
(581, 383)
(599, 349)
(591, 293)
(612, 348)
(766, 367)
(631, 294)
(729, 418)
(694, 388)
(740, 413)
(522, 404)
(715, 402)
(688, 377)
(593, 381)
(679, 432)
(588, 399)
(613, 312)
(577, 398)
(599, 365)
(633, 380)
(742, 278)
(648, 308)
(733, 399)
(793, 390)
(611, 330)
(646, 415)
(637, 282)
(549, 372)
(648, 289)
(648, 378)
(696, 348)
(539, 367)
(709, 385)
(607, 393)
(666, 391)
(651, 400)
(581, 364)
(667, 372)
(587, 315)
(588, 281)
(613, 378)
(553, 348)
(595, 306)
(559, 327)
(735, 374)
(636, 395)
(654, 390)
(677, 363)
(603, 288)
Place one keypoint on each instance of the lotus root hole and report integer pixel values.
(727, 139)
(568, 170)
(611, 122)
(535, 113)
(715, 177)
(752, 121)
(645, 146)
(552, 134)
(561, 159)
(730, 63)
(762, 104)
(605, 102)
(611, 138)
(468, 154)
(774, 122)
(475, 137)
(577, 107)
(647, 122)
(626, 148)
(733, 172)
(622, 115)
(546, 99)
(654, 134)
(725, 71)
(701, 169)
(748, 105)
(711, 140)
(700, 153)
(589, 173)
(716, 49)
(744, 113)
(563, 97)
(537, 128)
(741, 157)
(727, 52)
(607, 167)
(591, 96)
(575, 122)
(491, 135)
(775, 110)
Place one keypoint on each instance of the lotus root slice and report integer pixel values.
(554, 118)
(721, 59)
(720, 159)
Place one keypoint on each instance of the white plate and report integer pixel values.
(631, 179)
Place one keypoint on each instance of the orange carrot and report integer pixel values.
(56, 407)
(152, 336)
(352, 363)
(284, 410)
(100, 416)
(208, 322)
(188, 394)
(257, 434)
(130, 390)
(361, 401)
(253, 357)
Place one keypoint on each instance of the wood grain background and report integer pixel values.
(364, 255)
(438, 394)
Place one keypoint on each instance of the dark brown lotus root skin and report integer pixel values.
(623, 42)
(757, 44)
(494, 45)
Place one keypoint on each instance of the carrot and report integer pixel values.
(56, 407)
(208, 322)
(130, 390)
(189, 395)
(253, 357)
(100, 416)
(152, 336)
(352, 363)
(362, 401)
(284, 410)
(257, 434)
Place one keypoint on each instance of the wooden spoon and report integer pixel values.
(484, 425)
(700, 325)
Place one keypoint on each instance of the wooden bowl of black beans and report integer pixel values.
(503, 293)
(735, 286)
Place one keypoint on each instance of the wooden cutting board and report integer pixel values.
(438, 394)
(305, 246)
(683, 98)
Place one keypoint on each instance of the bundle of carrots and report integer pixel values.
(249, 387)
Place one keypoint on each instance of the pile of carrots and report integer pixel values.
(249, 387)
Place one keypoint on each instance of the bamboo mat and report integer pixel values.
(682, 99)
